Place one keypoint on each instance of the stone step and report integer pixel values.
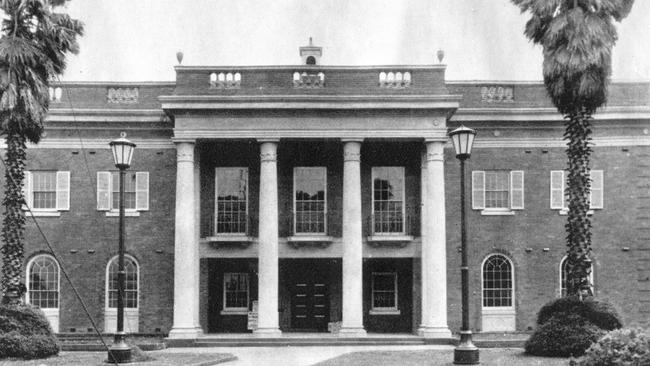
(309, 341)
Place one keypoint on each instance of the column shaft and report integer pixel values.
(268, 319)
(352, 324)
(186, 249)
(434, 255)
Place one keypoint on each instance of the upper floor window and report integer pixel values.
(497, 191)
(235, 291)
(232, 200)
(384, 291)
(131, 283)
(559, 199)
(136, 191)
(43, 282)
(497, 282)
(47, 191)
(564, 275)
(388, 200)
(310, 200)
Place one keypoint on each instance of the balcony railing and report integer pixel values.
(229, 226)
(392, 226)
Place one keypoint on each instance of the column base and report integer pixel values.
(267, 332)
(185, 333)
(434, 332)
(350, 332)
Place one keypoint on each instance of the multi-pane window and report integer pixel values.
(497, 282)
(559, 199)
(131, 283)
(384, 291)
(497, 189)
(235, 291)
(44, 190)
(564, 275)
(232, 200)
(129, 190)
(310, 202)
(388, 200)
(43, 282)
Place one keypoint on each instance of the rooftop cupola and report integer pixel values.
(311, 54)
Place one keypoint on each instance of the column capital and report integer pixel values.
(269, 151)
(185, 152)
(352, 139)
(269, 139)
(352, 150)
(435, 151)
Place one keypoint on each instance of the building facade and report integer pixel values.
(326, 198)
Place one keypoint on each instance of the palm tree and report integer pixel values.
(33, 46)
(577, 37)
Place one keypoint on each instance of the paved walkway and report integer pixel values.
(292, 356)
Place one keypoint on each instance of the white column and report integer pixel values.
(434, 255)
(186, 248)
(268, 318)
(352, 322)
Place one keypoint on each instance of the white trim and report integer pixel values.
(224, 307)
(384, 310)
(315, 168)
(39, 213)
(94, 143)
(497, 212)
(216, 204)
(512, 281)
(430, 134)
(402, 233)
(477, 114)
(127, 213)
(52, 314)
(106, 284)
(183, 68)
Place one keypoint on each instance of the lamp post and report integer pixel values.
(120, 352)
(466, 353)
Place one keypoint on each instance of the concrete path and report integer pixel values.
(292, 356)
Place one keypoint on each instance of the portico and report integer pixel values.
(348, 220)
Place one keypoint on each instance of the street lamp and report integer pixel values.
(466, 353)
(120, 352)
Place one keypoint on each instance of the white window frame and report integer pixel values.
(107, 282)
(561, 273)
(372, 207)
(61, 190)
(52, 314)
(295, 212)
(564, 210)
(226, 310)
(393, 310)
(512, 182)
(512, 281)
(130, 212)
(216, 201)
(131, 315)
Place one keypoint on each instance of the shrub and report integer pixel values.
(563, 336)
(25, 333)
(619, 347)
(599, 313)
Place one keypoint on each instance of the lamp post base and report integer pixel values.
(119, 352)
(466, 353)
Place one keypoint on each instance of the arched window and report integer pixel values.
(497, 282)
(43, 282)
(563, 277)
(311, 60)
(131, 283)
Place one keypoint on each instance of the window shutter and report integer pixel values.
(103, 191)
(517, 190)
(596, 193)
(478, 190)
(142, 191)
(63, 191)
(27, 190)
(557, 190)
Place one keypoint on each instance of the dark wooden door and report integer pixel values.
(309, 303)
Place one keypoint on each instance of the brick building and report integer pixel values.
(327, 197)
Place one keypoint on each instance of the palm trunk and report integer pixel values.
(578, 226)
(13, 224)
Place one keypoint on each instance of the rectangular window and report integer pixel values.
(235, 291)
(497, 192)
(559, 199)
(384, 291)
(232, 200)
(497, 189)
(310, 202)
(388, 200)
(44, 190)
(129, 190)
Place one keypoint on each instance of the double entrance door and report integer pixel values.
(309, 291)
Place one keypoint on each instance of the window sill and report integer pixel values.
(497, 212)
(127, 213)
(389, 237)
(43, 213)
(309, 237)
(229, 238)
(499, 310)
(234, 312)
(385, 312)
(565, 212)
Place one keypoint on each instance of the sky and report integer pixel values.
(137, 40)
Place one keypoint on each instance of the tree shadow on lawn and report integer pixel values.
(489, 357)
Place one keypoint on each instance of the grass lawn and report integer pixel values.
(488, 357)
(98, 358)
